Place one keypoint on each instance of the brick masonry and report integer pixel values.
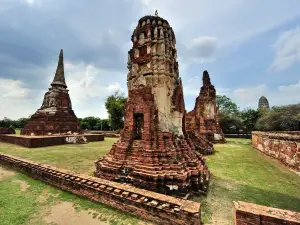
(252, 214)
(56, 115)
(43, 141)
(152, 206)
(203, 120)
(283, 146)
(153, 151)
(4, 130)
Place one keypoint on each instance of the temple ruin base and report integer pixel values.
(43, 141)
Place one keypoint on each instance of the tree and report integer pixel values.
(21, 122)
(6, 122)
(250, 118)
(230, 123)
(115, 106)
(283, 118)
(226, 105)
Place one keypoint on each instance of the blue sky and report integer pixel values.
(250, 48)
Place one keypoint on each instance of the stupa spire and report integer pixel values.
(59, 78)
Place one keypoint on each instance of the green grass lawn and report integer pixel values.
(238, 173)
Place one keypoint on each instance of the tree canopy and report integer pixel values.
(226, 105)
(282, 118)
(115, 106)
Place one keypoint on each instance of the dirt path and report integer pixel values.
(64, 213)
(4, 173)
(23, 184)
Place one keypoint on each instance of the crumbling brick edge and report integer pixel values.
(249, 213)
(159, 208)
(282, 146)
(44, 141)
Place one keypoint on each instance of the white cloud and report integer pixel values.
(12, 89)
(202, 49)
(89, 86)
(281, 95)
(30, 2)
(287, 49)
(13, 98)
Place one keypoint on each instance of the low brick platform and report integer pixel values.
(149, 205)
(43, 141)
(252, 214)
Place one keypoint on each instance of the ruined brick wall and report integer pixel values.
(283, 146)
(252, 214)
(149, 205)
(4, 130)
(203, 120)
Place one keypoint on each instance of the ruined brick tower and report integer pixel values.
(153, 151)
(55, 115)
(203, 119)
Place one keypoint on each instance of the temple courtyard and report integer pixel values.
(238, 173)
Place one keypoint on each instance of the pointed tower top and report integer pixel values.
(59, 78)
(206, 79)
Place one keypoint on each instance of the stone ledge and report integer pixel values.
(281, 135)
(249, 213)
(282, 146)
(43, 141)
(149, 205)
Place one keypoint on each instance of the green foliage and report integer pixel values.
(19, 123)
(230, 123)
(250, 118)
(226, 105)
(94, 123)
(283, 118)
(115, 106)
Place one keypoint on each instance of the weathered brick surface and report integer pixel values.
(56, 114)
(203, 119)
(283, 146)
(43, 141)
(149, 205)
(159, 161)
(153, 151)
(252, 214)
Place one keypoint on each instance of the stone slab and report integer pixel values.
(43, 141)
(159, 208)
(249, 213)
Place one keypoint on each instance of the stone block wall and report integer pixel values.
(251, 214)
(283, 146)
(159, 208)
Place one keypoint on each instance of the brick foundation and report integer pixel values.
(149, 205)
(43, 141)
(283, 146)
(252, 214)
